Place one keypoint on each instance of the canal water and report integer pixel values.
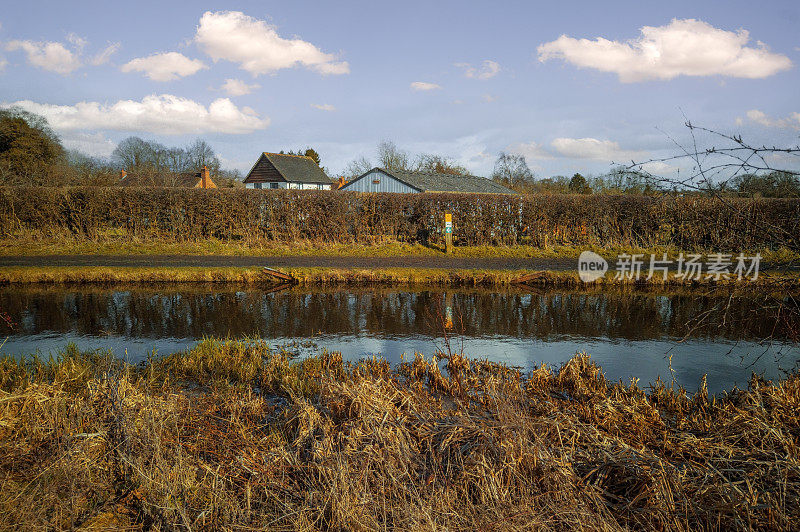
(631, 334)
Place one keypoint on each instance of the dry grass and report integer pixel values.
(231, 435)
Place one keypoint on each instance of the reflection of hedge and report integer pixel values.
(251, 215)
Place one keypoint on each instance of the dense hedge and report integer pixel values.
(255, 215)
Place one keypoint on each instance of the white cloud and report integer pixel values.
(488, 69)
(424, 86)
(163, 114)
(94, 144)
(52, 56)
(659, 168)
(237, 87)
(530, 150)
(681, 48)
(256, 46)
(489, 98)
(589, 148)
(3, 63)
(77, 41)
(104, 56)
(164, 66)
(760, 117)
(323, 107)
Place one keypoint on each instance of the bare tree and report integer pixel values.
(437, 164)
(358, 167)
(511, 170)
(390, 157)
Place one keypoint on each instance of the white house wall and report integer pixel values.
(294, 186)
(384, 183)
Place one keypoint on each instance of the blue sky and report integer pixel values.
(572, 86)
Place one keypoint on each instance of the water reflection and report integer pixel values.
(629, 329)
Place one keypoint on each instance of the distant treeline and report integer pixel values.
(172, 214)
(32, 154)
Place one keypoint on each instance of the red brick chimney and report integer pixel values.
(205, 179)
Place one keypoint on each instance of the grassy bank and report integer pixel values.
(232, 435)
(111, 244)
(355, 276)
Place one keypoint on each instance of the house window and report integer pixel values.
(376, 181)
(257, 185)
(273, 185)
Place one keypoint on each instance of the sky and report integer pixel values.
(572, 86)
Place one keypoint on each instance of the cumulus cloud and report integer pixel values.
(323, 107)
(51, 56)
(590, 148)
(104, 56)
(760, 117)
(94, 144)
(256, 46)
(237, 87)
(681, 48)
(488, 69)
(530, 150)
(424, 86)
(163, 114)
(164, 66)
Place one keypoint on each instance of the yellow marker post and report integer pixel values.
(448, 233)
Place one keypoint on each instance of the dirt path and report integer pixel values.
(171, 261)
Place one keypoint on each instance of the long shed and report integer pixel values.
(381, 180)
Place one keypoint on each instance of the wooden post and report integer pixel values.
(448, 233)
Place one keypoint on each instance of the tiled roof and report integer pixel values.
(298, 168)
(429, 182)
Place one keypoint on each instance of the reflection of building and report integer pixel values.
(380, 180)
(278, 170)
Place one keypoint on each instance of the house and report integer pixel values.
(201, 179)
(380, 180)
(278, 170)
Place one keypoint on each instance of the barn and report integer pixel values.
(279, 170)
(380, 180)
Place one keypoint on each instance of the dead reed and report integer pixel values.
(235, 436)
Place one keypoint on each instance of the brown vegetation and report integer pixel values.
(174, 215)
(231, 435)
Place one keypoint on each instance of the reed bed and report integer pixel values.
(232, 435)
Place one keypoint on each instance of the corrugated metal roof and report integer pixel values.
(430, 182)
(298, 168)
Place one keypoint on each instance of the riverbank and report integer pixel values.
(439, 276)
(231, 434)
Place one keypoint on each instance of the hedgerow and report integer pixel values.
(173, 214)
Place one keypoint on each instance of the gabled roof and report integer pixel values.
(431, 182)
(294, 168)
